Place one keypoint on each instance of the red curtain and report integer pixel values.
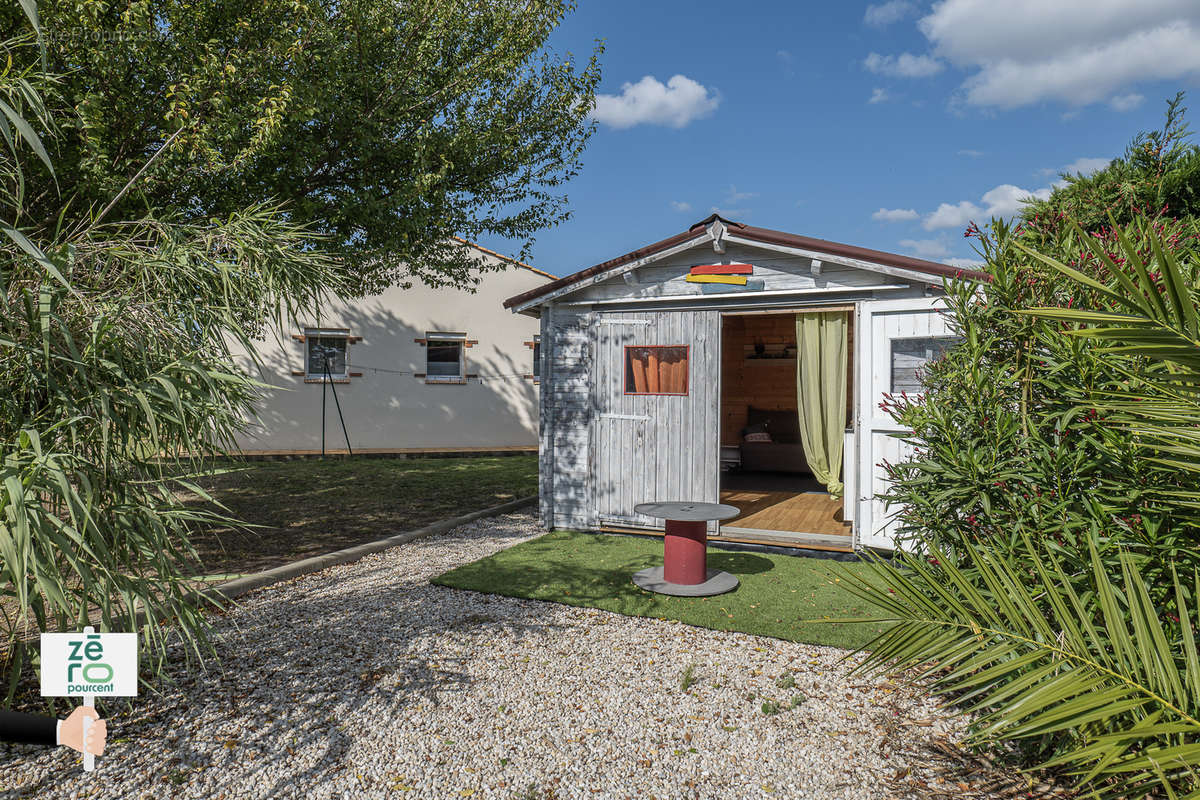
(656, 370)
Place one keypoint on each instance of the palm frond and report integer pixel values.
(1030, 656)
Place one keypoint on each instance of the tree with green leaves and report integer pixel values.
(386, 126)
(1158, 174)
(117, 379)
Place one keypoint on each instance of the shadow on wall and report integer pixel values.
(388, 406)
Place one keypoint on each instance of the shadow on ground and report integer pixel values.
(787, 597)
(295, 665)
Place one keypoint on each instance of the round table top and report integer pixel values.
(688, 512)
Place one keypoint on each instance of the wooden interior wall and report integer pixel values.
(763, 383)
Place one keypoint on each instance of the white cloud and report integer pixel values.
(786, 62)
(905, 65)
(1086, 165)
(1004, 200)
(680, 101)
(971, 153)
(895, 214)
(730, 213)
(952, 216)
(878, 96)
(1075, 52)
(926, 248)
(1125, 102)
(885, 14)
(734, 197)
(681, 206)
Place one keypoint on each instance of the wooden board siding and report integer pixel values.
(777, 271)
(879, 323)
(565, 418)
(653, 447)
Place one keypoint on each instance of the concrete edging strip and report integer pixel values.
(259, 580)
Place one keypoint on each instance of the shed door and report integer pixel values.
(895, 339)
(656, 393)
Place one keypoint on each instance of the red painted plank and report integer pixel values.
(723, 269)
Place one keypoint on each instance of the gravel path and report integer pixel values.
(366, 681)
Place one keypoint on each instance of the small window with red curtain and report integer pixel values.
(658, 369)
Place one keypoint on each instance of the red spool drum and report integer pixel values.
(684, 552)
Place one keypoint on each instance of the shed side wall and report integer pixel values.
(567, 413)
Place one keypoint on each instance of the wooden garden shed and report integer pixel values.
(735, 364)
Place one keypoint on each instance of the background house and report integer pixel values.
(739, 364)
(413, 369)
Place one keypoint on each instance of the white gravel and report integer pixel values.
(366, 681)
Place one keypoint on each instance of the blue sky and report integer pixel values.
(886, 125)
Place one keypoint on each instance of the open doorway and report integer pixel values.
(765, 471)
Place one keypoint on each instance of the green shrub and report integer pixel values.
(1049, 509)
(1010, 438)
(117, 380)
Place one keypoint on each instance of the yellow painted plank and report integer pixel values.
(736, 280)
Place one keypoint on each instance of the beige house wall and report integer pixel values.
(388, 406)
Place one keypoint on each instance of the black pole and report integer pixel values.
(341, 419)
(323, 404)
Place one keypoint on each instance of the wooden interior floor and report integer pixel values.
(803, 512)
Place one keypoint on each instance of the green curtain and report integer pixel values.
(821, 392)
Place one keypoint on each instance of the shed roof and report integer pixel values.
(764, 235)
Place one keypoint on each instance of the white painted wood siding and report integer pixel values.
(778, 271)
(880, 322)
(566, 413)
(648, 448)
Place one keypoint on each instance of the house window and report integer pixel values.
(444, 357)
(909, 357)
(326, 355)
(537, 359)
(656, 370)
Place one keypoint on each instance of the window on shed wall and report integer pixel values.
(537, 359)
(325, 354)
(656, 369)
(444, 357)
(909, 357)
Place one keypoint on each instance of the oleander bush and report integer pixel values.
(1049, 507)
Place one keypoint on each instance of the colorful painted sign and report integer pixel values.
(715, 278)
(722, 269)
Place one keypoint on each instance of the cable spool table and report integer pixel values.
(685, 571)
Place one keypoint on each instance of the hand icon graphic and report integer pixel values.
(72, 731)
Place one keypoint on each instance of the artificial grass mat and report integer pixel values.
(780, 596)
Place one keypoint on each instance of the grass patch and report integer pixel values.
(779, 596)
(314, 506)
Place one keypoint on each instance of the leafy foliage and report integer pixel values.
(1051, 501)
(1090, 679)
(388, 126)
(1159, 174)
(115, 339)
(1012, 437)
